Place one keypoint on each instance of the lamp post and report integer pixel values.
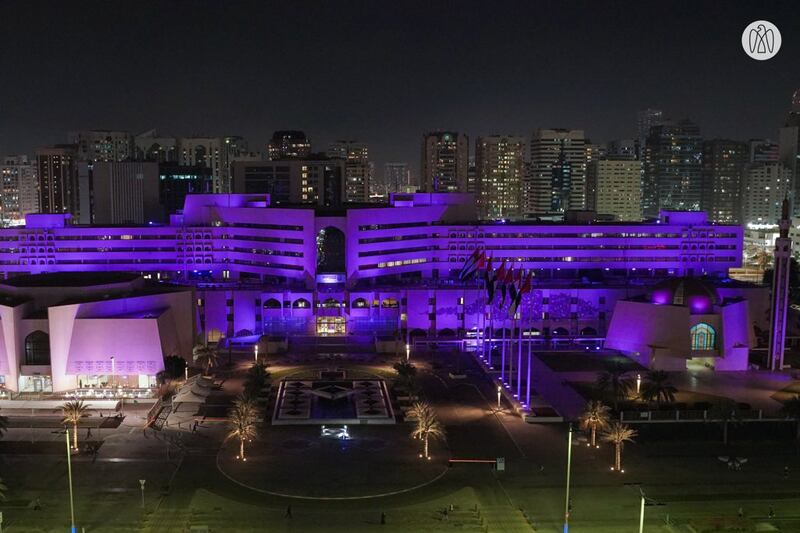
(499, 391)
(408, 353)
(638, 383)
(569, 467)
(641, 511)
(141, 486)
(255, 352)
(69, 476)
(113, 369)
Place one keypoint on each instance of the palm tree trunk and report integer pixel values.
(426, 445)
(594, 432)
(617, 457)
(241, 448)
(75, 435)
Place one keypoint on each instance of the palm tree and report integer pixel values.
(205, 356)
(615, 382)
(242, 420)
(428, 426)
(406, 373)
(73, 411)
(658, 388)
(595, 417)
(255, 380)
(618, 434)
(724, 412)
(791, 408)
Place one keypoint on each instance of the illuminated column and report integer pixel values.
(780, 290)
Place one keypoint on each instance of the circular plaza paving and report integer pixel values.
(298, 461)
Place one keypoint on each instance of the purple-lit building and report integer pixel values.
(386, 270)
(684, 321)
(68, 330)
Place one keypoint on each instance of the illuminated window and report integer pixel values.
(703, 336)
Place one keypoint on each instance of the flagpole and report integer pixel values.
(530, 361)
(519, 351)
(503, 351)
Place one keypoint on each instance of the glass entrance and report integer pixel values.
(330, 325)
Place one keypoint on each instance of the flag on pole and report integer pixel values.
(488, 281)
(512, 288)
(507, 280)
(524, 288)
(471, 265)
(493, 279)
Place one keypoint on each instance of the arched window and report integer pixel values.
(301, 303)
(272, 303)
(37, 348)
(704, 337)
(359, 303)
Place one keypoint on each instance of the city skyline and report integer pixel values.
(388, 94)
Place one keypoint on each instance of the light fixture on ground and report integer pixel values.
(255, 351)
(499, 392)
(408, 353)
(569, 468)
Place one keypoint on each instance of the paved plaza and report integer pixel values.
(193, 478)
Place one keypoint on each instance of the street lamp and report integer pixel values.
(641, 511)
(69, 476)
(255, 351)
(141, 486)
(408, 353)
(569, 467)
(499, 392)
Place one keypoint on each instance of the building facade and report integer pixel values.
(20, 194)
(357, 169)
(126, 193)
(766, 185)
(556, 180)
(58, 183)
(673, 168)
(151, 146)
(90, 330)
(318, 181)
(445, 162)
(267, 269)
(103, 145)
(646, 119)
(288, 144)
(724, 165)
(617, 186)
(396, 178)
(500, 168)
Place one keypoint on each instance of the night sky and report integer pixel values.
(383, 72)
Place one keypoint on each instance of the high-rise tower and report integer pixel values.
(780, 290)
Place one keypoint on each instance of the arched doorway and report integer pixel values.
(330, 250)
